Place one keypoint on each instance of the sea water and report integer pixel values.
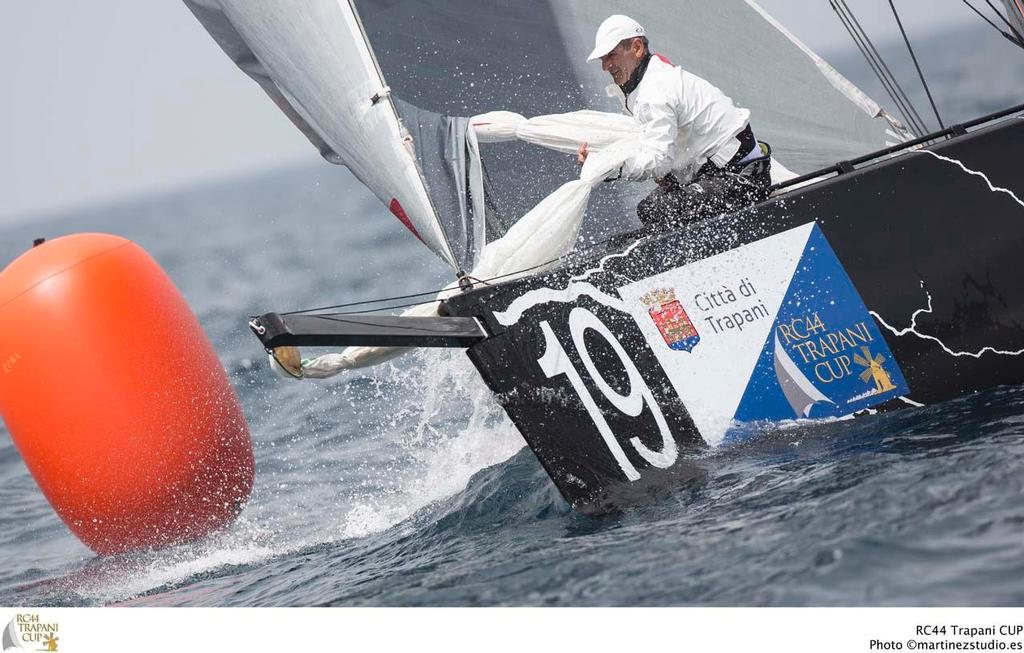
(407, 485)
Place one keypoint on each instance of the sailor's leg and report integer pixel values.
(740, 189)
(708, 196)
(657, 207)
(681, 204)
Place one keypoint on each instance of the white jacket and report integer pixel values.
(686, 121)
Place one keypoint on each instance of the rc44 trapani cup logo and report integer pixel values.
(28, 632)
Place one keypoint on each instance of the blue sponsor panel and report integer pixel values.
(824, 356)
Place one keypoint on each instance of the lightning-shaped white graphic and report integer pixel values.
(600, 264)
(912, 329)
(574, 289)
(994, 189)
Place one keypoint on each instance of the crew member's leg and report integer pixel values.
(704, 198)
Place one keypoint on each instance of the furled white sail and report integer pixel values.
(312, 58)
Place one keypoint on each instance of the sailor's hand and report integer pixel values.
(581, 154)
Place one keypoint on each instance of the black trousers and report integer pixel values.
(712, 191)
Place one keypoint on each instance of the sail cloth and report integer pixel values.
(448, 155)
(311, 58)
(565, 133)
(469, 57)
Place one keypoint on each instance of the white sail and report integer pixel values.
(809, 112)
(312, 58)
(472, 57)
(468, 57)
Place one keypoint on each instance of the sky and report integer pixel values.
(108, 99)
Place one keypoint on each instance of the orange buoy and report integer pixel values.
(115, 397)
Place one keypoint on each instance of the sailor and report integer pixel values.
(699, 149)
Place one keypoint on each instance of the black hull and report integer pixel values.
(904, 230)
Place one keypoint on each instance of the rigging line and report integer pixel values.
(916, 65)
(922, 128)
(1010, 37)
(487, 281)
(420, 294)
(881, 69)
(362, 312)
(908, 117)
(985, 18)
(384, 308)
(1005, 20)
(874, 68)
(364, 302)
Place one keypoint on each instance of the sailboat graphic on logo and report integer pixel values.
(10, 638)
(796, 387)
(670, 318)
(13, 640)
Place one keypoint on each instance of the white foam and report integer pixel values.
(443, 465)
(435, 464)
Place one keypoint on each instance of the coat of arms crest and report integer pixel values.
(670, 318)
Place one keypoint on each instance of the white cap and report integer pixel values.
(612, 31)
